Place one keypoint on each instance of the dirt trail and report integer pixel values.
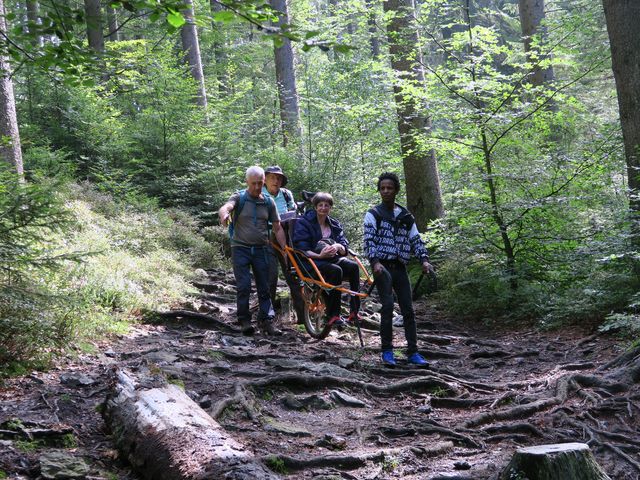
(328, 409)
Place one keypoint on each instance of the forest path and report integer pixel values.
(329, 410)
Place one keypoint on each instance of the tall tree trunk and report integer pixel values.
(374, 40)
(286, 82)
(191, 48)
(10, 149)
(622, 24)
(94, 25)
(33, 17)
(424, 198)
(531, 17)
(114, 27)
(219, 50)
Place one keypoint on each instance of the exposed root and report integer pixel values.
(209, 319)
(349, 462)
(324, 381)
(240, 398)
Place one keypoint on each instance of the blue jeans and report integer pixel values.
(394, 277)
(245, 260)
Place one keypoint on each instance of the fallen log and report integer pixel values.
(560, 461)
(166, 436)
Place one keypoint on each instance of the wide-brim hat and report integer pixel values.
(276, 170)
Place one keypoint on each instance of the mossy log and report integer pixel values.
(561, 461)
(166, 436)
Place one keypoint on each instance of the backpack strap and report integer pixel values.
(236, 211)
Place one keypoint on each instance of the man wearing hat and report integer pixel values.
(275, 180)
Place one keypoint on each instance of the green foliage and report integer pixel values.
(276, 464)
(52, 295)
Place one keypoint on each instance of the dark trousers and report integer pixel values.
(334, 273)
(394, 278)
(297, 301)
(245, 260)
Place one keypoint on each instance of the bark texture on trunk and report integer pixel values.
(94, 25)
(10, 148)
(424, 197)
(191, 48)
(112, 19)
(166, 436)
(219, 50)
(622, 24)
(286, 82)
(33, 16)
(566, 461)
(531, 17)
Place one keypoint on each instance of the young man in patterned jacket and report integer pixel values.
(390, 237)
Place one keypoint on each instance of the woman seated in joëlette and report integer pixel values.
(322, 239)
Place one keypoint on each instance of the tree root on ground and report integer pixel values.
(239, 397)
(349, 462)
(324, 381)
(211, 320)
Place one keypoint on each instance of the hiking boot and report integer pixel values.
(268, 328)
(388, 359)
(336, 321)
(417, 359)
(353, 318)
(246, 327)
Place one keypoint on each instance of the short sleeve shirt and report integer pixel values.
(281, 201)
(251, 228)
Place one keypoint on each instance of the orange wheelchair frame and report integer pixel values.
(313, 285)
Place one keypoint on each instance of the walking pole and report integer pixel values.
(373, 284)
(414, 293)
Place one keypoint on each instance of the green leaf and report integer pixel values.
(311, 34)
(224, 16)
(175, 19)
(343, 48)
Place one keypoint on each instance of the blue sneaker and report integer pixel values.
(417, 359)
(388, 359)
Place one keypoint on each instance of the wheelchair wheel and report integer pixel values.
(315, 308)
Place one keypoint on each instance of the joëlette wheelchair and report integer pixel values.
(312, 284)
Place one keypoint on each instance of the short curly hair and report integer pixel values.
(322, 197)
(389, 176)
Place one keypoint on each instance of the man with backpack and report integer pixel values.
(390, 236)
(251, 216)
(275, 180)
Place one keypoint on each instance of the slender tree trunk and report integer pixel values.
(286, 82)
(94, 25)
(112, 19)
(219, 50)
(622, 18)
(10, 149)
(531, 17)
(33, 16)
(374, 40)
(424, 198)
(191, 48)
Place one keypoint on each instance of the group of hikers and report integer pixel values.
(390, 238)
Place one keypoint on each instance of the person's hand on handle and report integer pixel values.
(427, 268)
(377, 269)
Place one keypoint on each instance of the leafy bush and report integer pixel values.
(61, 286)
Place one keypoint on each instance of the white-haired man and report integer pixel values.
(252, 215)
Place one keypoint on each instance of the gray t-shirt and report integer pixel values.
(251, 228)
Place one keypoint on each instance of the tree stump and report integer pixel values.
(166, 436)
(561, 461)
